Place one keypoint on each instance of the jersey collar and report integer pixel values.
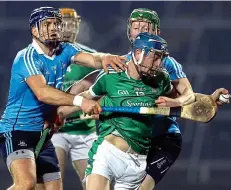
(37, 47)
(40, 51)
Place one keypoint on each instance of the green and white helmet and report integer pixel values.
(143, 15)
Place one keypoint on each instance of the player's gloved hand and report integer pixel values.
(115, 61)
(217, 93)
(164, 101)
(90, 107)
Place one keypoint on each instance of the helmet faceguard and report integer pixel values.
(71, 22)
(48, 22)
(143, 15)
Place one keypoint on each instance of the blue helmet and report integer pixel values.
(149, 42)
(43, 13)
(164, 43)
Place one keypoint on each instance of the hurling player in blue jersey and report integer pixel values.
(36, 77)
(166, 144)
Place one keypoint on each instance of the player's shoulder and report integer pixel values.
(65, 46)
(25, 55)
(170, 61)
(85, 48)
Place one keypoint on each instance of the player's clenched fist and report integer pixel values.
(216, 96)
(90, 107)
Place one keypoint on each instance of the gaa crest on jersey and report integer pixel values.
(122, 92)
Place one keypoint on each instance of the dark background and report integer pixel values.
(199, 38)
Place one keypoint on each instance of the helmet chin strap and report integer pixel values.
(140, 59)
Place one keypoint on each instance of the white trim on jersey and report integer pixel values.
(37, 47)
(92, 92)
(60, 78)
(74, 46)
(178, 68)
(25, 62)
(97, 70)
(98, 77)
(29, 61)
(84, 48)
(40, 51)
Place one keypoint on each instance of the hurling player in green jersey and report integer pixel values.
(119, 154)
(75, 138)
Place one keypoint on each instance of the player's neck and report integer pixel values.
(132, 71)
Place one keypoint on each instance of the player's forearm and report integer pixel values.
(184, 91)
(84, 84)
(68, 110)
(186, 98)
(93, 60)
(53, 96)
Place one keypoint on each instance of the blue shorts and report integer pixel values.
(21, 144)
(164, 151)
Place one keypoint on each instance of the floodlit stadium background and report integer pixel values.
(199, 37)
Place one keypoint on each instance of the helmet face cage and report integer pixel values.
(71, 22)
(150, 70)
(48, 21)
(143, 15)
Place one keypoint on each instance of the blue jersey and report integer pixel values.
(161, 124)
(23, 110)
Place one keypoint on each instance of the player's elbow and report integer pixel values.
(41, 95)
(191, 98)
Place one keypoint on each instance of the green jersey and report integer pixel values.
(121, 90)
(75, 73)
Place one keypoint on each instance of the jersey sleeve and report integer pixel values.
(99, 87)
(27, 64)
(167, 86)
(174, 68)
